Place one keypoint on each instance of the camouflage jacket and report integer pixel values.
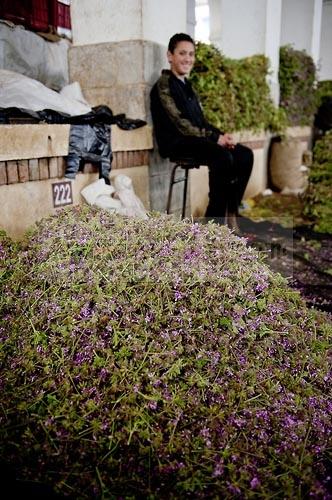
(176, 112)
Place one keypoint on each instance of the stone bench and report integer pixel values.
(260, 144)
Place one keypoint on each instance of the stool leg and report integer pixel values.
(184, 201)
(170, 191)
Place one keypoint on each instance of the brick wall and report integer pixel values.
(37, 169)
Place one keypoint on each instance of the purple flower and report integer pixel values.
(86, 312)
(254, 483)
(103, 374)
(152, 405)
(218, 470)
(178, 295)
(235, 490)
(2, 252)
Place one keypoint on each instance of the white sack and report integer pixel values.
(126, 194)
(108, 203)
(74, 91)
(121, 200)
(97, 188)
(25, 93)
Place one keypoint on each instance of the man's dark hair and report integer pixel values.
(179, 37)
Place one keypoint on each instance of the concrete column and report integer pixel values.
(325, 59)
(272, 43)
(100, 21)
(119, 49)
(240, 29)
(191, 18)
(301, 25)
(316, 30)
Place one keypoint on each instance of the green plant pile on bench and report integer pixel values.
(317, 199)
(297, 80)
(234, 93)
(323, 117)
(324, 89)
(159, 359)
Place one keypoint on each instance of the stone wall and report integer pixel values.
(118, 74)
(32, 167)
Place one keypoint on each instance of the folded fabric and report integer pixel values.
(120, 199)
(125, 192)
(107, 202)
(97, 188)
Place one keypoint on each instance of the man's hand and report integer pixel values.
(226, 141)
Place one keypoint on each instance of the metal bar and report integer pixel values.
(170, 191)
(184, 200)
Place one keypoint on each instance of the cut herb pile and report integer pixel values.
(159, 359)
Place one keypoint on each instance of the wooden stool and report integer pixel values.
(186, 164)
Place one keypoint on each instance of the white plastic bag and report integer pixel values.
(74, 91)
(126, 194)
(121, 199)
(19, 91)
(107, 202)
(97, 188)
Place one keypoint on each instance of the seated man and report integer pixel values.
(181, 130)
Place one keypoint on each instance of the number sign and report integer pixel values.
(62, 194)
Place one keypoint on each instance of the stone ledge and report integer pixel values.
(301, 133)
(257, 140)
(25, 142)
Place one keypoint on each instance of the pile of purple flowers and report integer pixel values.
(160, 359)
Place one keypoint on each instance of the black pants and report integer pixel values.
(229, 172)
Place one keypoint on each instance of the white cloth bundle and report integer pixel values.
(121, 199)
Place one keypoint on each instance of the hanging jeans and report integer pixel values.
(89, 143)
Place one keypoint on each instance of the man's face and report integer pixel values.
(182, 59)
